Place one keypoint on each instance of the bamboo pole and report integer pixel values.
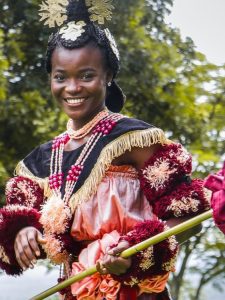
(129, 252)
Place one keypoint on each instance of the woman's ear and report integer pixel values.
(109, 76)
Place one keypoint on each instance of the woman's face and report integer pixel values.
(78, 82)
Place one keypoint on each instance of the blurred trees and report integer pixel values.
(201, 261)
(167, 83)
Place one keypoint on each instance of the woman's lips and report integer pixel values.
(74, 101)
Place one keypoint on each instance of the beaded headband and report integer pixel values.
(54, 14)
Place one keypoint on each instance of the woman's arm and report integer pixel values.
(138, 158)
(163, 172)
(23, 200)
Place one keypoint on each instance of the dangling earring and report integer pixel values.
(109, 83)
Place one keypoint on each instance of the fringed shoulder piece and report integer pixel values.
(117, 147)
(23, 171)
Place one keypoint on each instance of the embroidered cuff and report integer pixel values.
(23, 191)
(155, 260)
(187, 199)
(12, 219)
(165, 169)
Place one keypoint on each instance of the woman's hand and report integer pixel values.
(112, 263)
(26, 246)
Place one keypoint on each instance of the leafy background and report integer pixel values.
(167, 83)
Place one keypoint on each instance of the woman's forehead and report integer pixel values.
(79, 57)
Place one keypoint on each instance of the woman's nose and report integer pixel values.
(73, 86)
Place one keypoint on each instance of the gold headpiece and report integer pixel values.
(54, 11)
(100, 10)
(71, 31)
(112, 42)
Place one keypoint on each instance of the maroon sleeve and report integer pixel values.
(166, 182)
(23, 197)
(158, 259)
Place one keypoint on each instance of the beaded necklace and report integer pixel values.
(82, 132)
(103, 125)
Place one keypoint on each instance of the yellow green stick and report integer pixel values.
(129, 252)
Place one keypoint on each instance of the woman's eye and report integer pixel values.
(87, 76)
(59, 77)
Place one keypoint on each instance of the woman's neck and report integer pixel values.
(79, 124)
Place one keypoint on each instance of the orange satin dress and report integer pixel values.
(114, 210)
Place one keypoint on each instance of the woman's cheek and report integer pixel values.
(56, 91)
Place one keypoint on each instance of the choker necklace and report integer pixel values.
(87, 128)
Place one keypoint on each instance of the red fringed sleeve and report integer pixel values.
(165, 180)
(24, 198)
(155, 260)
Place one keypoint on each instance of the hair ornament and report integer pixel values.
(100, 10)
(53, 12)
(112, 42)
(72, 30)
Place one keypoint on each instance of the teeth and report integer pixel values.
(75, 101)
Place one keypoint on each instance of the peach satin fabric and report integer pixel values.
(113, 211)
(117, 205)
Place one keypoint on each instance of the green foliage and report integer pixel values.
(202, 258)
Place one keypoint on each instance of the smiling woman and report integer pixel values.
(79, 81)
(106, 183)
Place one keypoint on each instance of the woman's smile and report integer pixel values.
(75, 101)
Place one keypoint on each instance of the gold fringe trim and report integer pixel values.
(22, 170)
(3, 256)
(138, 138)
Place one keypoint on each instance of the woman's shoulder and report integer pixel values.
(133, 123)
(38, 151)
(136, 132)
(37, 161)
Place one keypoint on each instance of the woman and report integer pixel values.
(103, 185)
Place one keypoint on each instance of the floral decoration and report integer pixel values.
(112, 43)
(100, 10)
(53, 12)
(72, 30)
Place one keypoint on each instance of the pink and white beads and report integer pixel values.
(106, 123)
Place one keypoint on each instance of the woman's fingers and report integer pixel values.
(123, 245)
(26, 246)
(32, 237)
(113, 264)
(23, 252)
(116, 265)
(101, 268)
(19, 253)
